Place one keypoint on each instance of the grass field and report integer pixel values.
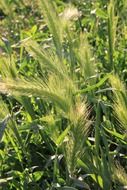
(63, 95)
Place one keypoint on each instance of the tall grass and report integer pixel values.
(63, 124)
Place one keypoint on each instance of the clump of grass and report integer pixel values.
(49, 139)
(57, 85)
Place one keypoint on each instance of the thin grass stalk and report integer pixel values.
(112, 22)
(110, 41)
(97, 129)
(71, 52)
(52, 18)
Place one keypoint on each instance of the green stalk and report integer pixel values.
(112, 22)
(97, 129)
(110, 41)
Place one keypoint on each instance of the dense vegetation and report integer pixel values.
(63, 104)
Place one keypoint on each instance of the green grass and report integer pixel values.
(63, 102)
